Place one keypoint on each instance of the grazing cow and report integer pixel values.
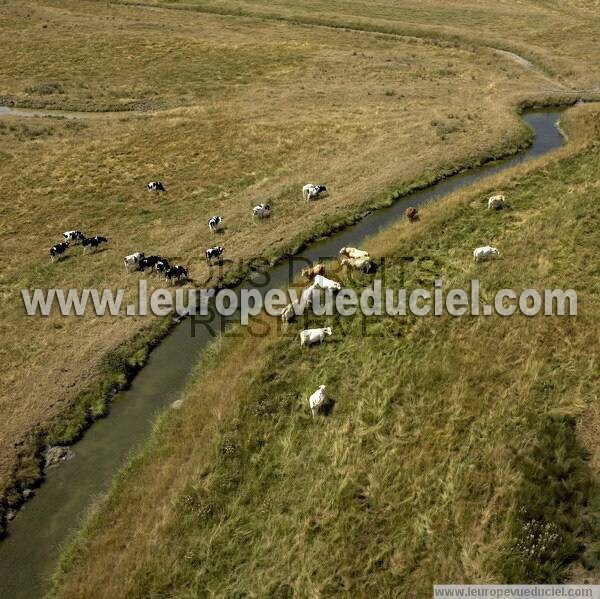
(214, 252)
(312, 192)
(312, 271)
(214, 223)
(306, 297)
(57, 250)
(321, 282)
(354, 253)
(133, 261)
(93, 242)
(412, 214)
(261, 211)
(149, 262)
(485, 253)
(496, 202)
(162, 266)
(73, 236)
(363, 264)
(176, 273)
(156, 186)
(316, 400)
(288, 313)
(312, 336)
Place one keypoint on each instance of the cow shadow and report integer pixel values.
(62, 259)
(326, 408)
(220, 262)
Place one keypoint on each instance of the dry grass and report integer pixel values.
(434, 465)
(559, 38)
(256, 109)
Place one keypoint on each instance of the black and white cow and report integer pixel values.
(162, 266)
(176, 273)
(133, 261)
(57, 250)
(214, 252)
(149, 262)
(73, 236)
(214, 222)
(93, 242)
(312, 192)
(156, 186)
(261, 211)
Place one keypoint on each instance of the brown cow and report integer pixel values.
(312, 271)
(412, 214)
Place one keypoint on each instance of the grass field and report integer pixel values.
(428, 460)
(560, 38)
(227, 112)
(457, 450)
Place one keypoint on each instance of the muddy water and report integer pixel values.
(28, 555)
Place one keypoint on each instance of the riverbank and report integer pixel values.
(435, 469)
(118, 368)
(217, 153)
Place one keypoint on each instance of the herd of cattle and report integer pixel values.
(350, 258)
(360, 260)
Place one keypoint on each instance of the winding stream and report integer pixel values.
(28, 555)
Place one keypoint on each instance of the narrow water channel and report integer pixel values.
(28, 555)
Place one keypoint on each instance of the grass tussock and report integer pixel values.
(451, 451)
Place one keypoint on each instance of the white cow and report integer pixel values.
(354, 253)
(261, 211)
(496, 202)
(316, 400)
(288, 313)
(295, 307)
(312, 336)
(356, 263)
(312, 192)
(322, 282)
(485, 253)
(133, 260)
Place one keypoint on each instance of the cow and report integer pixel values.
(311, 336)
(176, 273)
(363, 264)
(162, 266)
(73, 236)
(412, 214)
(496, 202)
(354, 253)
(321, 282)
(57, 250)
(261, 211)
(155, 186)
(150, 262)
(317, 400)
(312, 192)
(485, 253)
(93, 242)
(214, 252)
(288, 314)
(133, 261)
(214, 222)
(312, 271)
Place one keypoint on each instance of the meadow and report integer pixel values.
(228, 112)
(457, 449)
(430, 466)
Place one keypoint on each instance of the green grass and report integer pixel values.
(451, 453)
